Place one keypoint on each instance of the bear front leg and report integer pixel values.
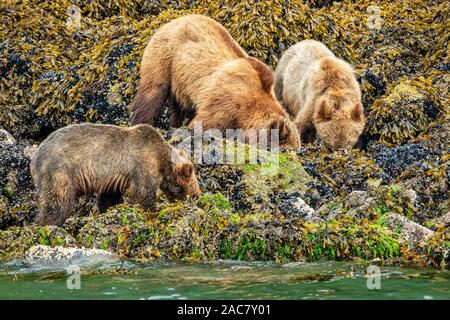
(107, 200)
(147, 105)
(305, 126)
(180, 115)
(54, 209)
(145, 196)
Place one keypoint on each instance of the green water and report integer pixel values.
(219, 280)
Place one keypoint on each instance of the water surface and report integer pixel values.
(218, 280)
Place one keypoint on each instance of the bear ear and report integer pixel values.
(357, 112)
(183, 172)
(283, 128)
(324, 112)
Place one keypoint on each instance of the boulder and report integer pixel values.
(411, 233)
(445, 219)
(6, 137)
(41, 252)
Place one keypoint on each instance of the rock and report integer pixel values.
(29, 150)
(410, 196)
(300, 207)
(329, 211)
(110, 230)
(41, 252)
(16, 241)
(6, 137)
(359, 203)
(60, 235)
(16, 197)
(357, 198)
(411, 233)
(445, 219)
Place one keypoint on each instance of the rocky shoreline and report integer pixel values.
(386, 199)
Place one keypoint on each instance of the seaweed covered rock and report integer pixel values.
(433, 251)
(406, 111)
(412, 233)
(64, 62)
(16, 241)
(63, 74)
(207, 232)
(16, 196)
(342, 171)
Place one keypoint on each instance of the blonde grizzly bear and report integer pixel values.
(108, 161)
(321, 91)
(194, 63)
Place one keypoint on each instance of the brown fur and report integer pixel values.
(108, 161)
(321, 91)
(194, 62)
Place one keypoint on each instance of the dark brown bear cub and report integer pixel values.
(108, 161)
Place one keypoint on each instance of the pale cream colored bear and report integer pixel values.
(322, 93)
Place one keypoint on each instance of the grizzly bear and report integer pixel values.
(321, 91)
(109, 161)
(194, 64)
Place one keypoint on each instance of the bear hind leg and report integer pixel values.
(154, 85)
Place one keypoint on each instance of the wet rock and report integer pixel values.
(396, 160)
(298, 206)
(41, 252)
(330, 211)
(359, 204)
(411, 233)
(6, 137)
(410, 195)
(445, 219)
(61, 236)
(108, 230)
(16, 241)
(14, 167)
